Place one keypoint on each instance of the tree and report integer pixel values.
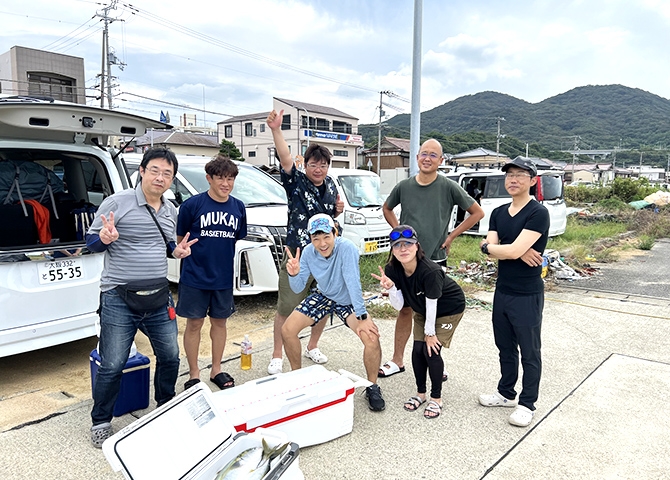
(230, 150)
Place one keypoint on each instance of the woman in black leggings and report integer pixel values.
(438, 304)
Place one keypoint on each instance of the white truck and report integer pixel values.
(54, 171)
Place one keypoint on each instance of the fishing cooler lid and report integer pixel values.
(179, 440)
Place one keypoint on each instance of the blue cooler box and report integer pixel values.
(134, 391)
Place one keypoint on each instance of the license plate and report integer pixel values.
(60, 270)
(371, 247)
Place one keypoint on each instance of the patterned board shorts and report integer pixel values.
(316, 306)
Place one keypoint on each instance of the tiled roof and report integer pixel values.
(478, 152)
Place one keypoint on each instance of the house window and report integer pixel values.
(228, 131)
(303, 122)
(340, 153)
(252, 153)
(322, 124)
(58, 87)
(341, 127)
(286, 122)
(248, 129)
(262, 126)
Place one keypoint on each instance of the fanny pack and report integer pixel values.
(145, 296)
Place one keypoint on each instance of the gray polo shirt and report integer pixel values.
(139, 252)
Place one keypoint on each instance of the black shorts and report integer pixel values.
(197, 303)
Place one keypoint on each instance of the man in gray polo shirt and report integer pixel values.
(135, 250)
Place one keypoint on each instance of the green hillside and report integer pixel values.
(601, 116)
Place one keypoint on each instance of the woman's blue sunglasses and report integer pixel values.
(395, 235)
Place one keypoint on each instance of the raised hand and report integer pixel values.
(293, 263)
(385, 282)
(108, 233)
(339, 205)
(274, 119)
(183, 248)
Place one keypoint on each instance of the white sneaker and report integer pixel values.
(521, 416)
(316, 356)
(275, 366)
(496, 400)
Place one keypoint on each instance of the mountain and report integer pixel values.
(601, 116)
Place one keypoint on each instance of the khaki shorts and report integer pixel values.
(287, 299)
(444, 327)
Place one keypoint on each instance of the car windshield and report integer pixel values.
(361, 190)
(495, 187)
(252, 186)
(552, 186)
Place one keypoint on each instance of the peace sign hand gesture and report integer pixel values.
(183, 249)
(385, 282)
(108, 232)
(293, 263)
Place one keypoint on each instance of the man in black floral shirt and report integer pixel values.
(309, 192)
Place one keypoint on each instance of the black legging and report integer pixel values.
(434, 364)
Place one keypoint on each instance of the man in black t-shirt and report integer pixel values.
(518, 233)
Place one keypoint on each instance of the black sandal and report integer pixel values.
(223, 381)
(189, 383)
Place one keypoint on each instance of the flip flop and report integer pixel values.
(223, 381)
(189, 383)
(413, 404)
(388, 369)
(434, 408)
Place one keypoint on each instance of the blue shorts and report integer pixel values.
(316, 306)
(197, 303)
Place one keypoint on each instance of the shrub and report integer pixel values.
(612, 204)
(645, 242)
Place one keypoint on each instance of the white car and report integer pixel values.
(54, 154)
(259, 254)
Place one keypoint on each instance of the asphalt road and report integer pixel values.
(646, 275)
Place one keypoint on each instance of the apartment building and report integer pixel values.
(27, 71)
(302, 124)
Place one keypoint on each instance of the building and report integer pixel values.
(480, 157)
(393, 153)
(27, 71)
(303, 123)
(181, 143)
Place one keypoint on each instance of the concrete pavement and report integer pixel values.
(602, 412)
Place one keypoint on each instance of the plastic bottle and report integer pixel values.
(245, 354)
(545, 266)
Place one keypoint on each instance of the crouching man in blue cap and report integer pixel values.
(333, 262)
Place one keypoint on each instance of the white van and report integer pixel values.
(490, 193)
(258, 256)
(362, 219)
(53, 161)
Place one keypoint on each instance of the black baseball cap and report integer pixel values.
(523, 163)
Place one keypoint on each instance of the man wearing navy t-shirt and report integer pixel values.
(217, 220)
(517, 236)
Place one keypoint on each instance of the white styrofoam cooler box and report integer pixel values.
(189, 438)
(311, 405)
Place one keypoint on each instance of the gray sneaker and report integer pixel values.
(100, 433)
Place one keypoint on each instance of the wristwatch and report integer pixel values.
(485, 248)
(363, 317)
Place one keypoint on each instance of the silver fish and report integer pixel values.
(251, 464)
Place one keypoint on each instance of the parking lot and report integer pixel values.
(602, 411)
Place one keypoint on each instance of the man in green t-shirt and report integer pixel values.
(427, 201)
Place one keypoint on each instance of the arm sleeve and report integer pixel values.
(94, 244)
(431, 313)
(396, 298)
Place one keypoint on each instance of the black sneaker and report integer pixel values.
(374, 395)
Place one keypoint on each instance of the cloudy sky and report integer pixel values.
(230, 57)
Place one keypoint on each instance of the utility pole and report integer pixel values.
(574, 155)
(108, 57)
(498, 137)
(379, 134)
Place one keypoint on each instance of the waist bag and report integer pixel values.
(145, 296)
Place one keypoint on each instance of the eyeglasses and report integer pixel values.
(395, 235)
(315, 166)
(517, 175)
(401, 245)
(157, 172)
(432, 156)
